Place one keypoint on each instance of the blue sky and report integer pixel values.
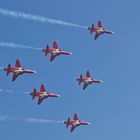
(112, 107)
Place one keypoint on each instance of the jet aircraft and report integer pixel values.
(87, 80)
(99, 30)
(42, 94)
(75, 122)
(17, 70)
(54, 51)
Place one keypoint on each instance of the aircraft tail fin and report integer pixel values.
(7, 69)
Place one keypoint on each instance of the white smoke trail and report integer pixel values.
(28, 120)
(36, 18)
(34, 120)
(12, 91)
(8, 91)
(9, 118)
(1, 68)
(17, 46)
(1, 90)
(3, 118)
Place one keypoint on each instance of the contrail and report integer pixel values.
(36, 18)
(17, 46)
(27, 120)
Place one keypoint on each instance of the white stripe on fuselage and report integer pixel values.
(86, 81)
(100, 30)
(19, 70)
(44, 94)
(56, 52)
(77, 122)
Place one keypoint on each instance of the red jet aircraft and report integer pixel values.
(87, 80)
(54, 51)
(42, 94)
(17, 70)
(75, 122)
(99, 30)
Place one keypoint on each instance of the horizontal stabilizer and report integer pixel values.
(7, 70)
(68, 123)
(46, 50)
(34, 94)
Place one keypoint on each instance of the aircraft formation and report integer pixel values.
(55, 51)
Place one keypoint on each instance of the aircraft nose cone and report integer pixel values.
(34, 72)
(101, 81)
(113, 32)
(58, 96)
(89, 123)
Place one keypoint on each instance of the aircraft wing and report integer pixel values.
(99, 23)
(73, 127)
(15, 75)
(17, 63)
(88, 74)
(55, 45)
(40, 100)
(75, 117)
(52, 57)
(96, 36)
(42, 88)
(85, 86)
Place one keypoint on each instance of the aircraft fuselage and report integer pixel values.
(43, 94)
(55, 51)
(87, 80)
(100, 30)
